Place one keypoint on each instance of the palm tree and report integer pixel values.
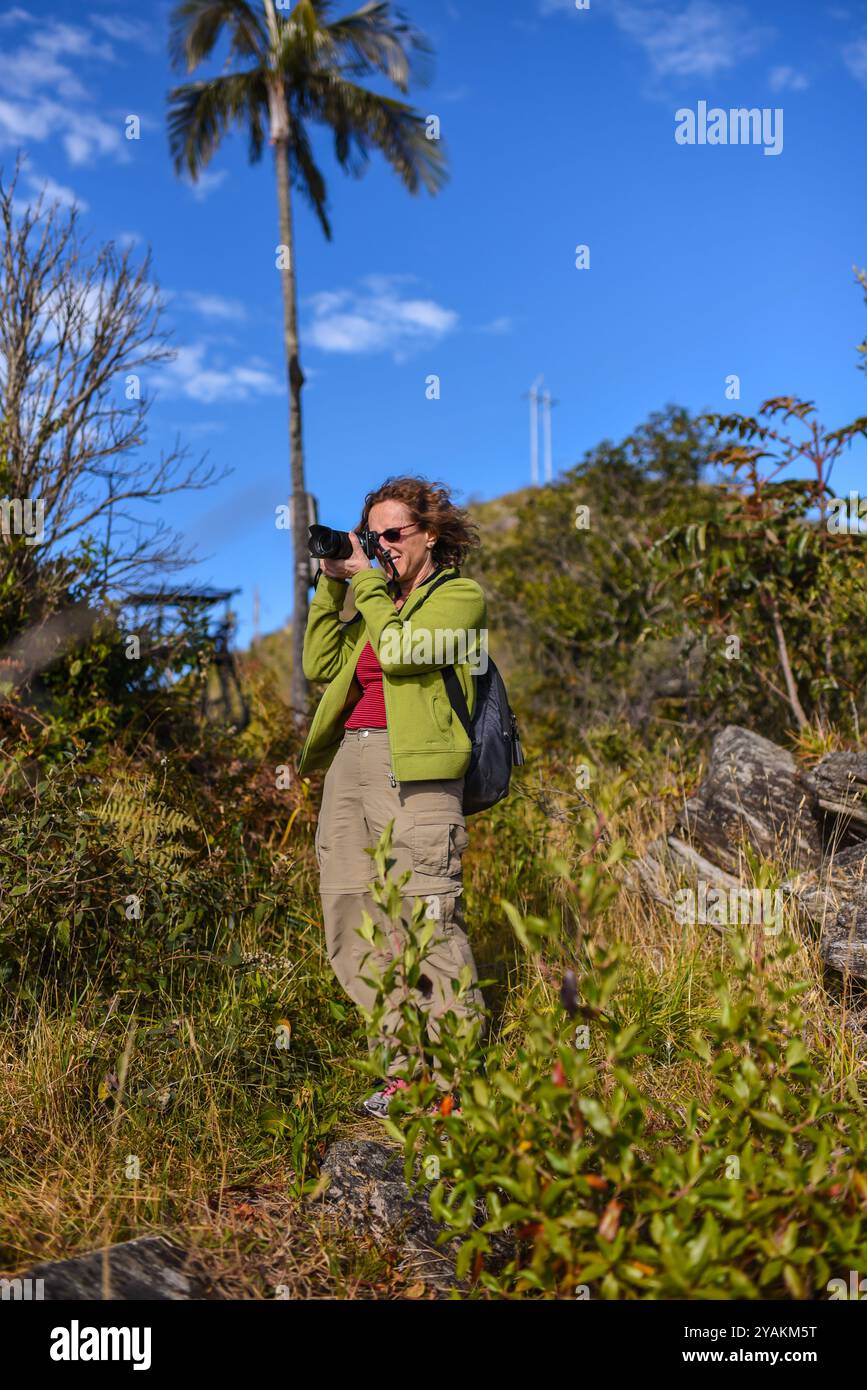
(292, 71)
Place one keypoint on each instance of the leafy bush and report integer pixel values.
(755, 1188)
(120, 869)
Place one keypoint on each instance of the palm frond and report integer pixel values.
(313, 57)
(364, 121)
(201, 112)
(256, 131)
(196, 26)
(376, 38)
(373, 39)
(307, 176)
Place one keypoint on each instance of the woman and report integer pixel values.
(393, 747)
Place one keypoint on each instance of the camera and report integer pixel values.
(327, 544)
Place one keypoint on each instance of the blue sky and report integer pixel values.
(559, 125)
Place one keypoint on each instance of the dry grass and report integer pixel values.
(188, 1091)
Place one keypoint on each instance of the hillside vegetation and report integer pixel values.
(659, 1110)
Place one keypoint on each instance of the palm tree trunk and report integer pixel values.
(300, 555)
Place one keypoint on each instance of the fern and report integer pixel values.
(146, 830)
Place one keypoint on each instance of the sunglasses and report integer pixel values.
(393, 532)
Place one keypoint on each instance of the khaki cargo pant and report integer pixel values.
(428, 837)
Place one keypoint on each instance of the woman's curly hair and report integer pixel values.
(431, 506)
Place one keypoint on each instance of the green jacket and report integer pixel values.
(426, 738)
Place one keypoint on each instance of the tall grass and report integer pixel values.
(176, 1052)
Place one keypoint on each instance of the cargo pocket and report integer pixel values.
(437, 844)
(317, 842)
(430, 843)
(458, 843)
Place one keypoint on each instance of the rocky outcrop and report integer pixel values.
(363, 1190)
(840, 780)
(814, 824)
(150, 1267)
(753, 791)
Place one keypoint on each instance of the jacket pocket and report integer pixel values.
(442, 711)
(438, 841)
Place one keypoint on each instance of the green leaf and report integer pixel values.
(596, 1115)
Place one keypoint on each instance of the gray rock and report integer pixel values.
(851, 861)
(366, 1192)
(835, 898)
(840, 780)
(844, 937)
(821, 893)
(755, 791)
(666, 862)
(147, 1268)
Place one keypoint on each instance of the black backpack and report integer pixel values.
(492, 731)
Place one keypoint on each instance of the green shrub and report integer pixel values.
(754, 1188)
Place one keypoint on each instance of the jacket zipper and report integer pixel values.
(391, 776)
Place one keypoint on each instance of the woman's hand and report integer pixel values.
(345, 569)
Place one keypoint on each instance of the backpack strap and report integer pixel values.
(458, 699)
(434, 584)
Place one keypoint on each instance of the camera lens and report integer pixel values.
(327, 544)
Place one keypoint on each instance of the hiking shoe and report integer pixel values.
(378, 1103)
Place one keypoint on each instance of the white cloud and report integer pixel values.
(198, 428)
(124, 30)
(785, 79)
(700, 39)
(88, 306)
(855, 58)
(498, 326)
(53, 192)
(14, 16)
(47, 91)
(378, 318)
(190, 376)
(206, 184)
(215, 306)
